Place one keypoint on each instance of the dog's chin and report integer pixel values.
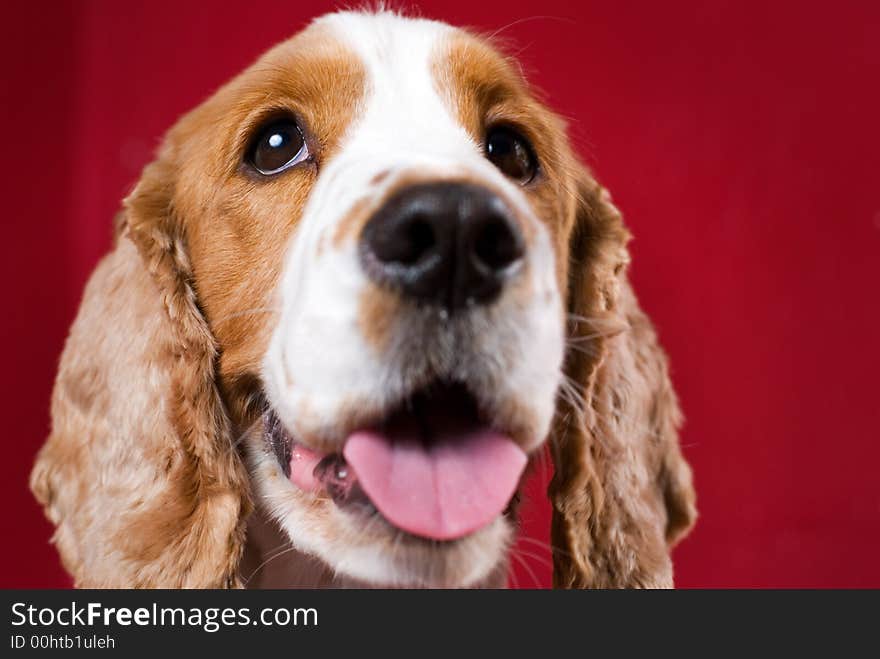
(445, 518)
(355, 541)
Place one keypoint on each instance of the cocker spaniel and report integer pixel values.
(355, 294)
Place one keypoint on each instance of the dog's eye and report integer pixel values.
(277, 146)
(512, 154)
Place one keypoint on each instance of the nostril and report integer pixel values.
(406, 244)
(449, 245)
(420, 238)
(497, 245)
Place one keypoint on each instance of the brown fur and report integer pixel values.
(622, 493)
(141, 474)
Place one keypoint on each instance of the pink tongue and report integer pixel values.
(442, 491)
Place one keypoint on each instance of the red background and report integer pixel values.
(741, 140)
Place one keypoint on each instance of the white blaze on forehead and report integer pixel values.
(405, 120)
(404, 124)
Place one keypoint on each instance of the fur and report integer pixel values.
(225, 292)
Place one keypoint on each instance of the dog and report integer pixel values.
(358, 292)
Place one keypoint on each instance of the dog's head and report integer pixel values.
(379, 266)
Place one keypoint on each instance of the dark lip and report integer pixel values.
(278, 439)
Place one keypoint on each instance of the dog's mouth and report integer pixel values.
(432, 466)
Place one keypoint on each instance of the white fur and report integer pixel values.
(318, 361)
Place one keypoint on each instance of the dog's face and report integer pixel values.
(364, 260)
(378, 215)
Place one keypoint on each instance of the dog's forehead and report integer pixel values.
(404, 108)
(385, 39)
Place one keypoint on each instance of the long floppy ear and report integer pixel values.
(622, 492)
(139, 474)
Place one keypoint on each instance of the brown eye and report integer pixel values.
(278, 146)
(512, 154)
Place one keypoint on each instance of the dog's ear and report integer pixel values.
(139, 474)
(621, 493)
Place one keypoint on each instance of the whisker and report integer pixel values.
(543, 560)
(572, 394)
(543, 464)
(580, 417)
(591, 351)
(528, 19)
(583, 338)
(522, 561)
(233, 446)
(546, 546)
(512, 575)
(267, 561)
(615, 326)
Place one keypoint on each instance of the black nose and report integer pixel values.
(447, 244)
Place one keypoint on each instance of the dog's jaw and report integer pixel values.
(370, 552)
